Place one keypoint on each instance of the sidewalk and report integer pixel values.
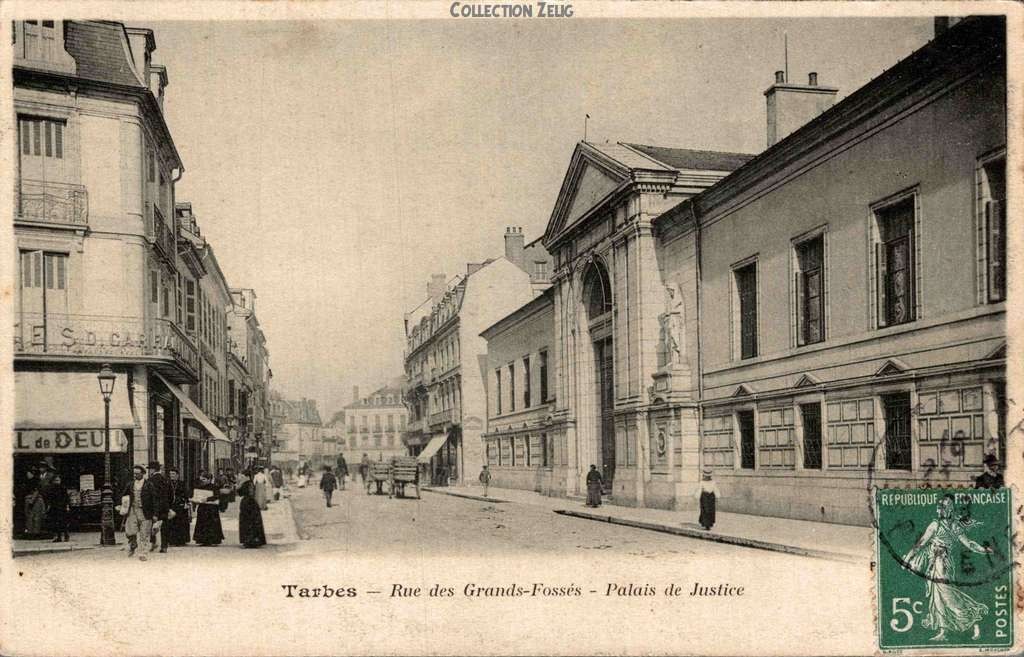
(800, 537)
(278, 524)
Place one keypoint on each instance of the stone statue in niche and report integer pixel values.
(672, 327)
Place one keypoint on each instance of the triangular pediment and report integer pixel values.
(742, 390)
(807, 381)
(891, 367)
(591, 178)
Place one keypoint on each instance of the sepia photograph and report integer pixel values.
(510, 328)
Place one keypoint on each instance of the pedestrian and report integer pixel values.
(594, 484)
(175, 530)
(160, 493)
(364, 468)
(328, 482)
(707, 494)
(342, 471)
(485, 479)
(259, 482)
(208, 529)
(232, 483)
(277, 480)
(250, 519)
(991, 477)
(135, 499)
(222, 486)
(35, 510)
(58, 505)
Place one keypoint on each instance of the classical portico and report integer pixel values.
(625, 335)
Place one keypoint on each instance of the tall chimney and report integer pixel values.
(790, 106)
(436, 287)
(355, 394)
(514, 243)
(141, 43)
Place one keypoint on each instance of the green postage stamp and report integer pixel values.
(945, 568)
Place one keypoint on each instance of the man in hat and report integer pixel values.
(158, 489)
(134, 508)
(594, 485)
(991, 477)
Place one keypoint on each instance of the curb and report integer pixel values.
(721, 538)
(479, 498)
(53, 550)
(295, 523)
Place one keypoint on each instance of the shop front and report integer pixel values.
(193, 450)
(59, 429)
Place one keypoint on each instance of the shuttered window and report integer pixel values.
(810, 291)
(746, 287)
(42, 137)
(895, 264)
(995, 230)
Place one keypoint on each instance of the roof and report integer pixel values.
(977, 39)
(99, 51)
(685, 158)
(379, 392)
(541, 301)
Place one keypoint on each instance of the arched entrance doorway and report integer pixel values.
(597, 300)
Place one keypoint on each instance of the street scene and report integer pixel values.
(674, 295)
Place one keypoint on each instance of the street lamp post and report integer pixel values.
(106, 378)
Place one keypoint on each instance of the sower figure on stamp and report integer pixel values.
(594, 483)
(949, 607)
(707, 494)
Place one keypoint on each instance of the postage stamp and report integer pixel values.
(944, 567)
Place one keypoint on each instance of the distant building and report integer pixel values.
(372, 425)
(445, 388)
(298, 429)
(519, 439)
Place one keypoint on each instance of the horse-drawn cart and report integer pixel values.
(379, 473)
(404, 470)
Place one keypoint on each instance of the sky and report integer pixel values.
(335, 165)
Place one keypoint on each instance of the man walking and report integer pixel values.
(277, 479)
(134, 500)
(485, 479)
(342, 471)
(160, 494)
(328, 483)
(364, 468)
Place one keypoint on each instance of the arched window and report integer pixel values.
(597, 291)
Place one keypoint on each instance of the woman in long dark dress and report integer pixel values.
(250, 520)
(58, 506)
(208, 530)
(594, 483)
(178, 526)
(707, 494)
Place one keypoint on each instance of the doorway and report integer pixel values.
(606, 390)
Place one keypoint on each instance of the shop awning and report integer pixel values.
(68, 400)
(194, 410)
(431, 448)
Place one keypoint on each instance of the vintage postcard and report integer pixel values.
(503, 328)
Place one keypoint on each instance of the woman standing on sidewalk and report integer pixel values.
(707, 494)
(250, 520)
(58, 505)
(594, 483)
(208, 530)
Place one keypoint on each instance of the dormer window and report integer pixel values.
(39, 42)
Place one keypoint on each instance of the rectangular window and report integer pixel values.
(178, 301)
(995, 229)
(376, 423)
(154, 287)
(190, 306)
(811, 416)
(165, 300)
(391, 423)
(526, 382)
(42, 137)
(810, 291)
(540, 269)
(746, 422)
(511, 386)
(894, 255)
(746, 292)
(497, 391)
(543, 376)
(231, 396)
(897, 431)
(545, 450)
